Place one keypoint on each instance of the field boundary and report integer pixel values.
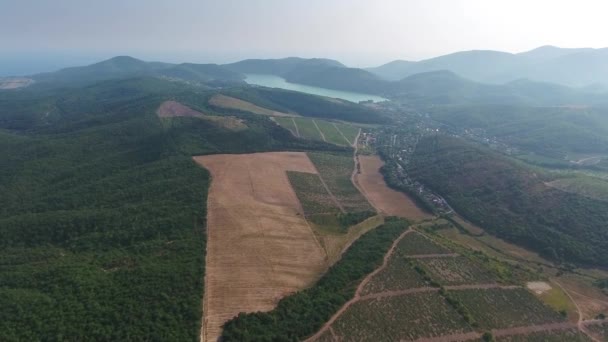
(318, 129)
(357, 295)
(297, 132)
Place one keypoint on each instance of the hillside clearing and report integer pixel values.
(385, 199)
(260, 248)
(172, 109)
(228, 102)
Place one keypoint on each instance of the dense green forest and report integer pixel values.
(549, 131)
(511, 200)
(302, 314)
(102, 210)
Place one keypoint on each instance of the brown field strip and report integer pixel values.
(259, 248)
(383, 198)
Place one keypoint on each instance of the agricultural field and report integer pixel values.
(331, 133)
(418, 244)
(312, 194)
(228, 102)
(337, 133)
(457, 271)
(394, 319)
(384, 199)
(502, 308)
(307, 129)
(583, 185)
(336, 170)
(568, 335)
(251, 208)
(349, 131)
(399, 274)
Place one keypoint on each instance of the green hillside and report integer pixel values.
(103, 212)
(550, 131)
(512, 201)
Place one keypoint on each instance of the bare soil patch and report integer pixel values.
(383, 198)
(260, 248)
(172, 109)
(538, 287)
(224, 101)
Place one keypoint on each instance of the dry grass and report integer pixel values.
(259, 248)
(383, 198)
(335, 244)
(172, 109)
(224, 101)
(14, 82)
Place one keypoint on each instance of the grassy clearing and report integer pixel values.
(417, 244)
(457, 271)
(336, 171)
(224, 101)
(571, 335)
(559, 301)
(331, 130)
(286, 123)
(400, 318)
(311, 193)
(499, 308)
(307, 129)
(399, 274)
(331, 133)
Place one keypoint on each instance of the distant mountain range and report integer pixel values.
(474, 77)
(571, 67)
(129, 67)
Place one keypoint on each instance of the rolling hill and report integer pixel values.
(122, 67)
(280, 67)
(570, 67)
(512, 201)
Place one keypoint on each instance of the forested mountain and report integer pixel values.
(128, 67)
(571, 67)
(280, 67)
(445, 87)
(513, 201)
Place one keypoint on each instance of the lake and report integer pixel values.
(273, 81)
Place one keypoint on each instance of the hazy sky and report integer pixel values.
(357, 32)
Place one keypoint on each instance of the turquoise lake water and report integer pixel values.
(273, 81)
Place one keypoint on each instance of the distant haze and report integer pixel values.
(59, 33)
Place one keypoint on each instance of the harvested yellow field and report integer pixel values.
(224, 101)
(383, 198)
(259, 246)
